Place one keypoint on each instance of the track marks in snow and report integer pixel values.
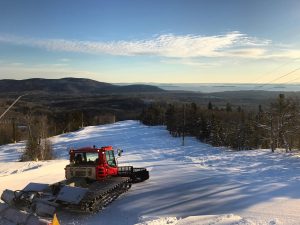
(11, 152)
(20, 167)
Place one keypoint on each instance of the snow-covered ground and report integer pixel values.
(191, 184)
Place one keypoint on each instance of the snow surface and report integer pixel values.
(188, 185)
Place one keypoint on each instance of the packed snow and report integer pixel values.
(189, 185)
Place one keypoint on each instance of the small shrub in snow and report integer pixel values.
(37, 150)
(38, 147)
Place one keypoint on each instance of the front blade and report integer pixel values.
(71, 195)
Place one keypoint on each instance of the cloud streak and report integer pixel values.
(233, 44)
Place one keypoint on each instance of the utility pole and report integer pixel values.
(14, 129)
(183, 127)
(271, 133)
(81, 119)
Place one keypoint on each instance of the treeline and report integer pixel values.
(13, 129)
(65, 113)
(36, 129)
(37, 118)
(273, 126)
(64, 122)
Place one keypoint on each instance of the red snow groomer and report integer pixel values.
(93, 180)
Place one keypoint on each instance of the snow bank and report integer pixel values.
(228, 219)
(157, 221)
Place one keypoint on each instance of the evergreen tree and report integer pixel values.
(209, 106)
(285, 120)
(228, 107)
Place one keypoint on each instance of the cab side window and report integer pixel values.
(110, 158)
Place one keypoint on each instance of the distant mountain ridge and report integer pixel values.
(70, 86)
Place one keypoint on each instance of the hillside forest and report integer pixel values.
(271, 126)
(53, 106)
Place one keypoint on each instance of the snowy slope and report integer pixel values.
(192, 184)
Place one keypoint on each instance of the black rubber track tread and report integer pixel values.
(103, 192)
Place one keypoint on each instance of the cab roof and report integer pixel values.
(92, 149)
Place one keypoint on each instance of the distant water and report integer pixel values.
(208, 88)
(211, 87)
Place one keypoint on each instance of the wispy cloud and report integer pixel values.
(17, 64)
(64, 60)
(286, 53)
(248, 53)
(232, 44)
(191, 62)
(59, 64)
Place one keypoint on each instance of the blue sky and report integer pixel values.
(189, 41)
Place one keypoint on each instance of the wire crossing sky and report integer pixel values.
(170, 41)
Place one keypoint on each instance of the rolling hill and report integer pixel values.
(69, 86)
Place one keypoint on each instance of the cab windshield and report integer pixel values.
(86, 158)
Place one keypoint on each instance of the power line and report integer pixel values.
(297, 78)
(278, 78)
(11, 106)
(294, 79)
(271, 71)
